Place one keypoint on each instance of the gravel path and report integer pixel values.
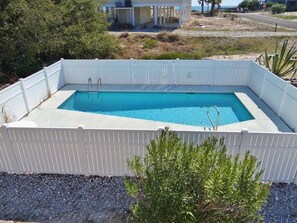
(68, 198)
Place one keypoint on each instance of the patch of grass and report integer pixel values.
(173, 56)
(288, 17)
(153, 47)
(228, 46)
(149, 43)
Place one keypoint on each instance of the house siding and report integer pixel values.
(142, 15)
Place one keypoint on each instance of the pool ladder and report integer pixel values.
(89, 83)
(99, 83)
(216, 125)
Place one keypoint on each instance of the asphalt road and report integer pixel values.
(270, 20)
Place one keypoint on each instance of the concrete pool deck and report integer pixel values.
(47, 114)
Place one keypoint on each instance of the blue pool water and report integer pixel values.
(181, 108)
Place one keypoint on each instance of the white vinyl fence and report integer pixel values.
(22, 97)
(157, 72)
(278, 94)
(105, 152)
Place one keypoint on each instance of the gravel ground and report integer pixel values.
(68, 198)
(62, 198)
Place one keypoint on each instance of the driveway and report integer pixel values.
(269, 20)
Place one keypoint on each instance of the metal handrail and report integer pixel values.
(98, 82)
(214, 126)
(89, 83)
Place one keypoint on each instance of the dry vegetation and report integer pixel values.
(228, 22)
(170, 46)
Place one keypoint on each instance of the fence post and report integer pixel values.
(47, 81)
(248, 73)
(83, 150)
(62, 71)
(24, 94)
(282, 102)
(177, 78)
(132, 70)
(243, 142)
(173, 72)
(263, 85)
(214, 71)
(9, 149)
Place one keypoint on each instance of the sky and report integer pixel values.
(224, 2)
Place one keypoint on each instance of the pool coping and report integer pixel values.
(47, 114)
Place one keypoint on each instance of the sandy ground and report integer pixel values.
(227, 22)
(235, 57)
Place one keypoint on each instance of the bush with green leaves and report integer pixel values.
(173, 56)
(278, 8)
(180, 182)
(281, 62)
(269, 4)
(250, 4)
(149, 43)
(40, 32)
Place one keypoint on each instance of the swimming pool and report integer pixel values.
(180, 108)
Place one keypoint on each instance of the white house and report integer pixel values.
(159, 12)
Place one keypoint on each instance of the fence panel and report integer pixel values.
(55, 77)
(277, 153)
(231, 73)
(105, 152)
(189, 72)
(140, 71)
(12, 105)
(231, 139)
(160, 72)
(8, 162)
(36, 89)
(109, 150)
(273, 91)
(157, 72)
(115, 71)
(290, 107)
(41, 150)
(256, 78)
(78, 71)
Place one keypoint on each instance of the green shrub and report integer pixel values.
(149, 43)
(243, 4)
(281, 61)
(250, 4)
(278, 8)
(179, 182)
(269, 4)
(173, 56)
(36, 33)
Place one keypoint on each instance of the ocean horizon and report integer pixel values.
(207, 8)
